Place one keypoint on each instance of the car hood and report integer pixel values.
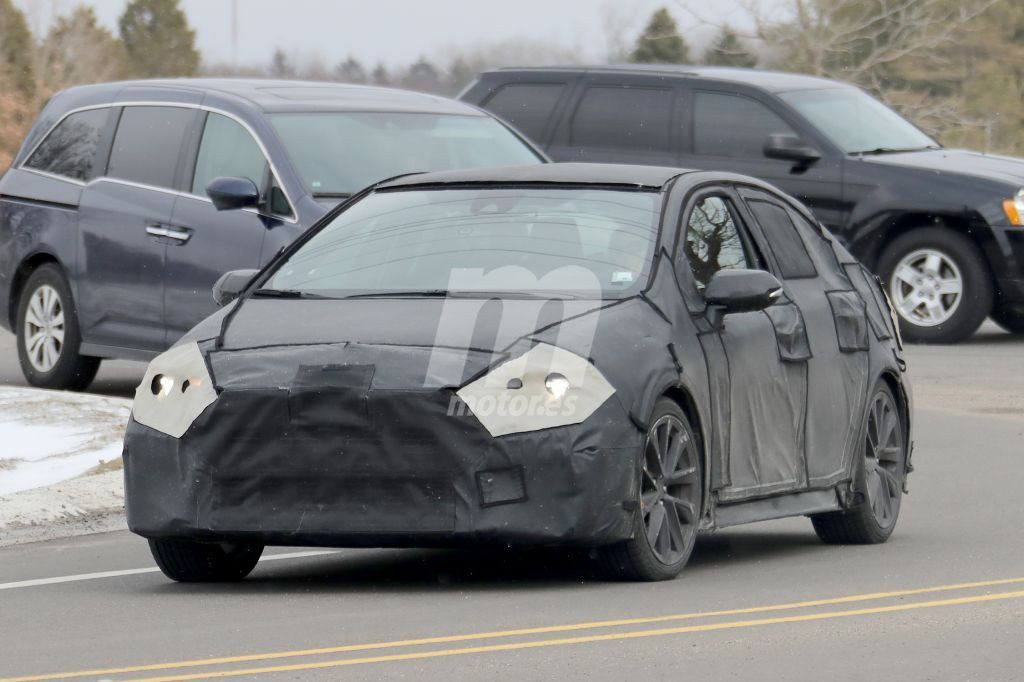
(1003, 169)
(408, 343)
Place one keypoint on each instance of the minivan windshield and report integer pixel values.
(857, 122)
(543, 242)
(339, 153)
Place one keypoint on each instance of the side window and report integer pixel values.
(527, 106)
(713, 241)
(733, 125)
(227, 150)
(623, 118)
(147, 144)
(789, 249)
(70, 148)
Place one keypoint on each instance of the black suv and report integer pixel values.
(112, 228)
(944, 228)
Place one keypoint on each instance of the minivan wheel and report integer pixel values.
(938, 283)
(187, 561)
(669, 504)
(49, 336)
(878, 479)
(1009, 319)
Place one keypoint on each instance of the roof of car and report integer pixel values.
(772, 81)
(293, 95)
(653, 177)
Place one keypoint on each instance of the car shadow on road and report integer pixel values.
(460, 570)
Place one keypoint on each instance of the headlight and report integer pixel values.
(1014, 208)
(542, 388)
(175, 390)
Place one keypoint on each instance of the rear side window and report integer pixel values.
(527, 106)
(732, 125)
(786, 244)
(227, 150)
(70, 148)
(148, 143)
(623, 118)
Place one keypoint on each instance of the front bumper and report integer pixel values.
(337, 466)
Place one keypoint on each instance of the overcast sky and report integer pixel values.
(395, 32)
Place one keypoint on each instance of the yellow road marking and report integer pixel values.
(449, 639)
(637, 634)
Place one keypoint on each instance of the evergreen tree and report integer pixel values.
(280, 66)
(380, 75)
(728, 50)
(158, 39)
(422, 76)
(660, 42)
(350, 71)
(16, 49)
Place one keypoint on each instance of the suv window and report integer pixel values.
(527, 106)
(70, 148)
(227, 150)
(733, 125)
(713, 241)
(627, 118)
(147, 144)
(785, 242)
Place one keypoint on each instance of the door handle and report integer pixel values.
(179, 234)
(156, 230)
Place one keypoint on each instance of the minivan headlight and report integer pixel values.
(1014, 208)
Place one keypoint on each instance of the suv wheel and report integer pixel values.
(939, 285)
(49, 336)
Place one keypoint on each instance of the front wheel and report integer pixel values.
(49, 336)
(666, 522)
(878, 479)
(939, 284)
(203, 562)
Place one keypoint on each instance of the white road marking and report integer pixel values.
(135, 571)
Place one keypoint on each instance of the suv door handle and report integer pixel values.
(156, 230)
(177, 233)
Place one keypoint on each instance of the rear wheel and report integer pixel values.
(939, 284)
(878, 482)
(195, 562)
(49, 337)
(1009, 319)
(666, 523)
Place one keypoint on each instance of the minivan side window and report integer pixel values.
(147, 144)
(527, 106)
(713, 241)
(733, 125)
(625, 118)
(70, 148)
(227, 150)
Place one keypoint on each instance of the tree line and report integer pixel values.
(956, 69)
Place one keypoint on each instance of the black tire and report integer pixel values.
(975, 302)
(881, 468)
(71, 371)
(676, 500)
(1009, 319)
(198, 562)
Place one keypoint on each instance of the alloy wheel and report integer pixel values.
(44, 328)
(883, 460)
(926, 287)
(670, 489)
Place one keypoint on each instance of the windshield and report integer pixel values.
(856, 121)
(587, 243)
(340, 153)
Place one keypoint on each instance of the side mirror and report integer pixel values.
(742, 291)
(790, 148)
(231, 193)
(230, 285)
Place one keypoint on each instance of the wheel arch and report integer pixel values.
(24, 270)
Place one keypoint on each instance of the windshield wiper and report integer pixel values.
(891, 150)
(425, 293)
(284, 293)
(331, 195)
(462, 293)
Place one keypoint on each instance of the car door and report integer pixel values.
(837, 332)
(122, 217)
(728, 132)
(205, 243)
(613, 122)
(766, 403)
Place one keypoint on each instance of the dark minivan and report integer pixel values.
(944, 228)
(112, 228)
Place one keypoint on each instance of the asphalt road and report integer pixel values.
(943, 600)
